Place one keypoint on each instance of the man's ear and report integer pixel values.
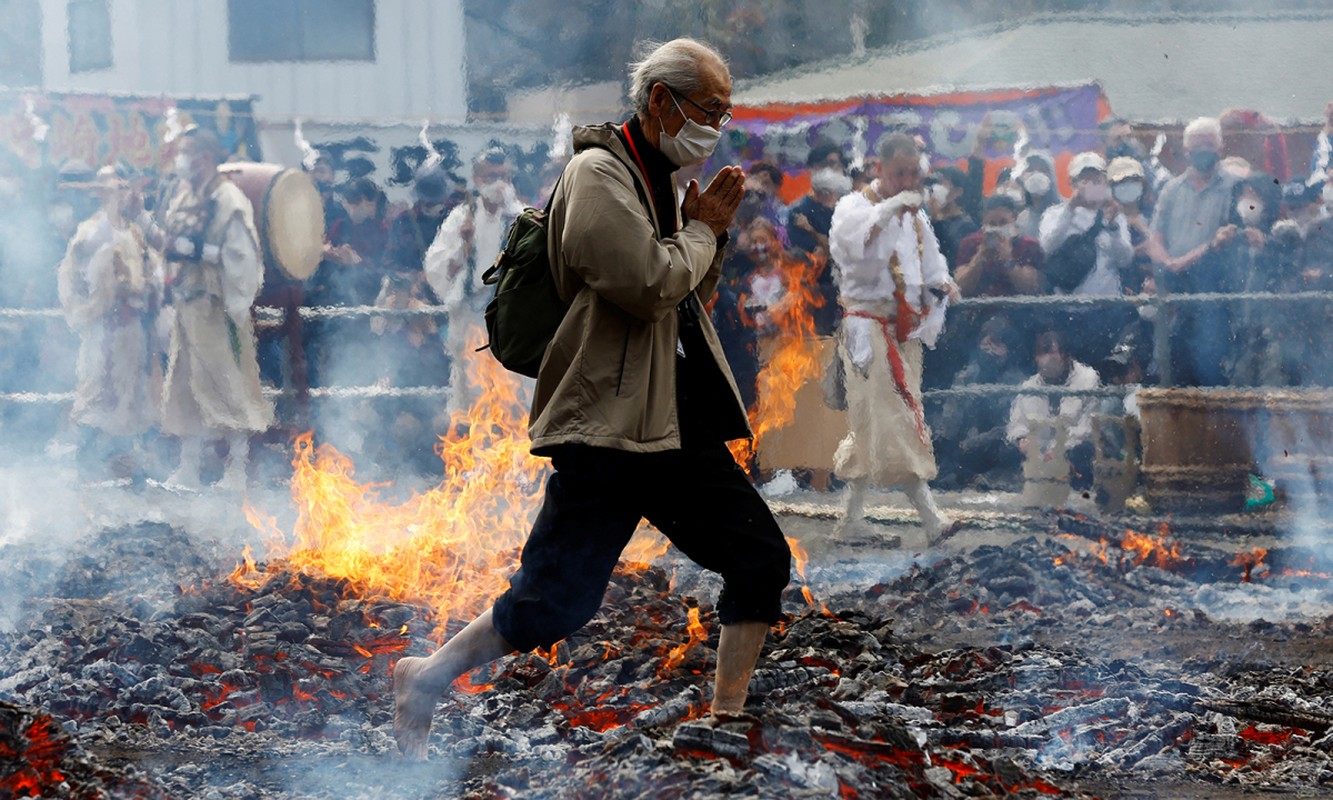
(659, 100)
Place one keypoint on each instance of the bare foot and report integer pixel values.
(413, 707)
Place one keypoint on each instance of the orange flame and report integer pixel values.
(697, 633)
(451, 548)
(1248, 561)
(1157, 551)
(795, 353)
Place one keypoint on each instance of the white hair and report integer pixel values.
(1203, 128)
(675, 63)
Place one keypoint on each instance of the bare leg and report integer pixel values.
(738, 649)
(419, 682)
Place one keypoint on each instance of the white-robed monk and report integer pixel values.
(214, 273)
(107, 281)
(894, 287)
(465, 247)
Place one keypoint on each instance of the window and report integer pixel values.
(301, 30)
(89, 35)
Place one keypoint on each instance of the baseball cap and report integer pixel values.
(1123, 168)
(1088, 160)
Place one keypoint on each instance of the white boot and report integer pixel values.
(238, 457)
(187, 474)
(854, 504)
(933, 521)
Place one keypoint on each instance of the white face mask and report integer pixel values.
(1096, 192)
(1037, 183)
(182, 164)
(692, 145)
(1003, 231)
(1328, 196)
(1249, 211)
(939, 195)
(1128, 192)
(494, 192)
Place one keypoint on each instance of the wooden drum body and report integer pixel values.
(289, 214)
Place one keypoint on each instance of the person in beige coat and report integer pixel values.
(107, 283)
(634, 402)
(214, 273)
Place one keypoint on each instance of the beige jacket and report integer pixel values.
(609, 376)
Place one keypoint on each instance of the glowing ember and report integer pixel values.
(1248, 561)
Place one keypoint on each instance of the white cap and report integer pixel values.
(1088, 160)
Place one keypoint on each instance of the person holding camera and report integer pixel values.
(998, 260)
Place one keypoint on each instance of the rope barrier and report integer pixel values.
(267, 316)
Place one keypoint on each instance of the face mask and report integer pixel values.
(433, 209)
(1203, 160)
(1003, 231)
(1012, 193)
(939, 195)
(1096, 192)
(1127, 192)
(1250, 212)
(1037, 184)
(692, 145)
(1327, 194)
(493, 192)
(182, 164)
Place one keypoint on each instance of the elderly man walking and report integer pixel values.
(634, 401)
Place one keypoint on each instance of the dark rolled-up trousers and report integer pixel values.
(697, 497)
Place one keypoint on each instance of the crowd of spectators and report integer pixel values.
(1128, 227)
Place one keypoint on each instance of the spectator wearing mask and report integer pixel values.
(970, 442)
(808, 228)
(1128, 190)
(1037, 180)
(1249, 262)
(1187, 226)
(998, 260)
(350, 274)
(944, 193)
(1090, 332)
(1030, 413)
(763, 181)
(413, 231)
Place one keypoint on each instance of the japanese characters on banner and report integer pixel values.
(1059, 120)
(44, 129)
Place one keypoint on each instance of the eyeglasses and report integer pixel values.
(718, 118)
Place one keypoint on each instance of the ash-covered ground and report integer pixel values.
(1024, 657)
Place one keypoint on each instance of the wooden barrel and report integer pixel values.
(1297, 441)
(289, 214)
(1198, 449)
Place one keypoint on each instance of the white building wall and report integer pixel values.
(1151, 68)
(179, 47)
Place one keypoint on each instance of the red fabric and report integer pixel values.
(896, 365)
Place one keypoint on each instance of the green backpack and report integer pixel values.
(525, 312)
